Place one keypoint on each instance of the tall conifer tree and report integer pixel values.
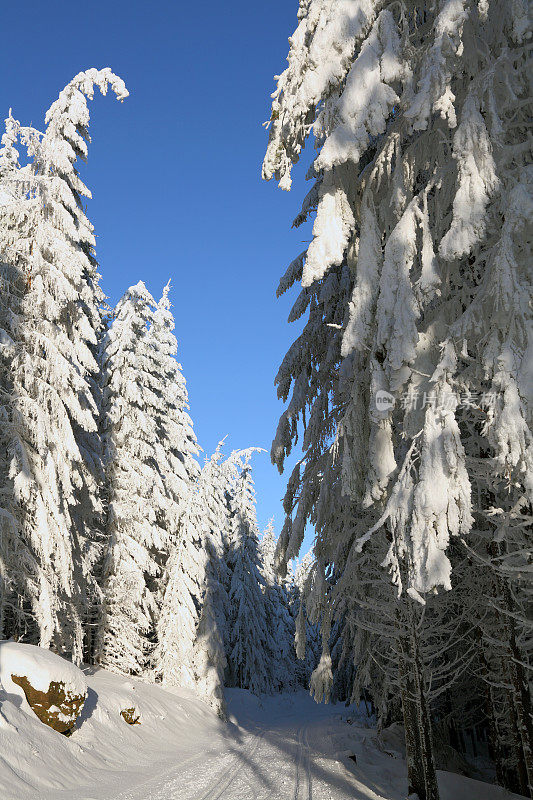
(414, 283)
(52, 487)
(251, 646)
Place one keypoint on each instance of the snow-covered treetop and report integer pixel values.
(9, 156)
(67, 122)
(303, 568)
(55, 154)
(267, 550)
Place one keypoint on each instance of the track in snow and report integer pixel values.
(303, 789)
(231, 772)
(284, 762)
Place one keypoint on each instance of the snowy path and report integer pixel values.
(302, 754)
(284, 762)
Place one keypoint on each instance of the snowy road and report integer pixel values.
(301, 752)
(284, 747)
(289, 762)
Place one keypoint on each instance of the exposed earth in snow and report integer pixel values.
(283, 747)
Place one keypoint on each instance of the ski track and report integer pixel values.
(230, 772)
(234, 769)
(154, 783)
(302, 781)
(267, 763)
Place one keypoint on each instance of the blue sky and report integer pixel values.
(175, 173)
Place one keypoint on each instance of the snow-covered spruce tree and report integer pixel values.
(252, 651)
(53, 320)
(213, 635)
(134, 535)
(192, 631)
(11, 193)
(173, 422)
(150, 471)
(267, 553)
(182, 601)
(199, 538)
(209, 657)
(24, 576)
(279, 619)
(417, 286)
(176, 447)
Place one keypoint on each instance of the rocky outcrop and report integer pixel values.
(57, 707)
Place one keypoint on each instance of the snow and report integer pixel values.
(333, 226)
(284, 746)
(40, 667)
(476, 184)
(366, 101)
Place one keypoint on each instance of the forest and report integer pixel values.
(407, 400)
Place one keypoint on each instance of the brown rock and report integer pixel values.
(57, 708)
(129, 716)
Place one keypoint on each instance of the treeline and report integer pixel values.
(115, 546)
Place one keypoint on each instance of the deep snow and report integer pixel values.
(273, 748)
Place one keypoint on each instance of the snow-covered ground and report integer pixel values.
(279, 747)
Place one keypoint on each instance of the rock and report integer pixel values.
(51, 687)
(130, 715)
(391, 740)
(57, 707)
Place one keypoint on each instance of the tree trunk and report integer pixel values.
(415, 777)
(520, 693)
(521, 700)
(421, 773)
(495, 750)
(431, 791)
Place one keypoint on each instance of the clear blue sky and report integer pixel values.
(176, 183)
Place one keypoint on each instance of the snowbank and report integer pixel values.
(104, 756)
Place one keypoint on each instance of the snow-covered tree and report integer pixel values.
(210, 657)
(11, 197)
(251, 646)
(51, 319)
(176, 442)
(267, 553)
(134, 535)
(192, 632)
(415, 282)
(280, 622)
(183, 598)
(150, 471)
(178, 653)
